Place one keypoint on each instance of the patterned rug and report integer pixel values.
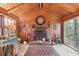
(39, 43)
(39, 50)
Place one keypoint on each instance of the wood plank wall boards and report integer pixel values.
(56, 9)
(27, 13)
(18, 27)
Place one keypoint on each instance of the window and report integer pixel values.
(5, 21)
(77, 32)
(9, 26)
(71, 33)
(0, 26)
(6, 30)
(9, 21)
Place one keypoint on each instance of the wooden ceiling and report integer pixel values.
(53, 12)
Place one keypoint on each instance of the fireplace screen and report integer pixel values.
(40, 33)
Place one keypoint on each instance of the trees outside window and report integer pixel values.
(71, 33)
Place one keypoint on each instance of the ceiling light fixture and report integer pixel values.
(40, 5)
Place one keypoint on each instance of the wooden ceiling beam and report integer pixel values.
(15, 7)
(70, 15)
(3, 11)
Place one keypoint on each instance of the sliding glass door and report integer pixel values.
(71, 33)
(69, 29)
(77, 32)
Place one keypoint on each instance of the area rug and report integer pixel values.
(39, 50)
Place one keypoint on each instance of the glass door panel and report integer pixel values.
(77, 32)
(69, 33)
